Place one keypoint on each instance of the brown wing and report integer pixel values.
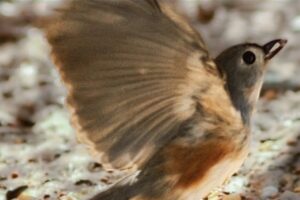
(132, 73)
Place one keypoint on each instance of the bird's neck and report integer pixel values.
(244, 100)
(241, 104)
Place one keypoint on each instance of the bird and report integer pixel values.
(146, 96)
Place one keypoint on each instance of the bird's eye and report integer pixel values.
(249, 57)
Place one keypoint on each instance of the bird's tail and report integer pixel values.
(147, 183)
(115, 193)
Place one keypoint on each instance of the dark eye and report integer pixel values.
(249, 57)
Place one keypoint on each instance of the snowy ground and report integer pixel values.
(39, 155)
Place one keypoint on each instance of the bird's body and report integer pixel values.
(146, 96)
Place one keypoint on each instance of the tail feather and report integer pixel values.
(114, 193)
(148, 183)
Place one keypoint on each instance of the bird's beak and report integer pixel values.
(272, 48)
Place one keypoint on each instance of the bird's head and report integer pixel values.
(243, 67)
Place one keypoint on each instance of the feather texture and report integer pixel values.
(135, 72)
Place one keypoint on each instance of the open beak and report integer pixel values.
(272, 48)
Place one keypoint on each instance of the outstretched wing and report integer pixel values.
(133, 69)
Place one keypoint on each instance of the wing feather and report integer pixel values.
(130, 67)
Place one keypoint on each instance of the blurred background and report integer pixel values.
(39, 155)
